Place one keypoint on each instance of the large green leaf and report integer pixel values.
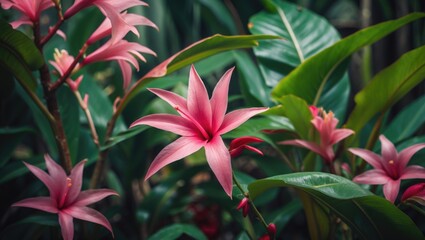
(177, 230)
(305, 34)
(309, 79)
(197, 51)
(407, 121)
(369, 216)
(297, 111)
(387, 87)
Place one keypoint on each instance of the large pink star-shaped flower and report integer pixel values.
(389, 168)
(201, 123)
(66, 198)
(31, 9)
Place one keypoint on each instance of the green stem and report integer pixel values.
(254, 208)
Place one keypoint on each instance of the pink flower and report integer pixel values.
(66, 198)
(124, 52)
(62, 62)
(201, 123)
(239, 144)
(111, 9)
(31, 9)
(416, 193)
(244, 205)
(105, 29)
(329, 136)
(389, 168)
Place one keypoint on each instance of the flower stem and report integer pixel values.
(86, 111)
(53, 107)
(254, 208)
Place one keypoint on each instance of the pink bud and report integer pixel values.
(86, 101)
(244, 204)
(271, 229)
(314, 110)
(417, 191)
(346, 168)
(239, 144)
(74, 84)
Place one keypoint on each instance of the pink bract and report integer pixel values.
(112, 10)
(201, 123)
(329, 135)
(389, 168)
(66, 198)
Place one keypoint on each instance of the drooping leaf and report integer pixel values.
(407, 121)
(387, 87)
(369, 216)
(177, 230)
(308, 80)
(197, 51)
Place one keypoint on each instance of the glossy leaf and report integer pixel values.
(177, 230)
(369, 216)
(308, 80)
(297, 111)
(197, 51)
(304, 34)
(407, 121)
(122, 136)
(387, 87)
(16, 169)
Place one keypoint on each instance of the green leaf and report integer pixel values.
(122, 136)
(369, 216)
(7, 84)
(407, 121)
(16, 169)
(19, 55)
(308, 80)
(176, 230)
(298, 112)
(197, 51)
(387, 87)
(9, 139)
(305, 34)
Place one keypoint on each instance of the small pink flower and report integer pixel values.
(31, 9)
(62, 62)
(201, 123)
(239, 144)
(329, 136)
(244, 205)
(415, 193)
(105, 29)
(389, 168)
(66, 198)
(124, 52)
(111, 9)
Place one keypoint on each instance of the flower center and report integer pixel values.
(201, 129)
(392, 170)
(65, 194)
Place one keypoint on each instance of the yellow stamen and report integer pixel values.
(68, 182)
(391, 162)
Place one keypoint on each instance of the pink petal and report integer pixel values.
(58, 177)
(171, 98)
(219, 100)
(417, 190)
(406, 154)
(235, 118)
(413, 171)
(45, 204)
(237, 142)
(218, 158)
(176, 150)
(91, 196)
(391, 190)
(67, 226)
(168, 122)
(374, 176)
(45, 178)
(388, 151)
(305, 144)
(339, 134)
(198, 103)
(369, 156)
(90, 215)
(76, 177)
(126, 73)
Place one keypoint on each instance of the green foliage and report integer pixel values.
(177, 230)
(368, 216)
